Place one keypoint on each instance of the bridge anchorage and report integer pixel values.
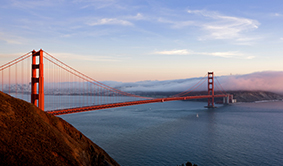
(67, 90)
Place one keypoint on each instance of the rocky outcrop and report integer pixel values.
(29, 136)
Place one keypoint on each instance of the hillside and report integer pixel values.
(29, 136)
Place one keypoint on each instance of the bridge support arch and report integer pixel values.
(37, 79)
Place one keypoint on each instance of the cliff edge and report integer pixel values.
(29, 136)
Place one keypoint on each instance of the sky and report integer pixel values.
(136, 40)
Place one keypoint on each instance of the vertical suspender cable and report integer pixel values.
(52, 87)
(87, 97)
(16, 73)
(69, 89)
(95, 95)
(22, 81)
(59, 87)
(2, 79)
(28, 67)
(72, 89)
(9, 80)
(81, 92)
(104, 97)
(84, 93)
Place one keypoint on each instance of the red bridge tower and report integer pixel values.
(210, 84)
(37, 80)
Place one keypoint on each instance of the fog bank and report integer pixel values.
(264, 81)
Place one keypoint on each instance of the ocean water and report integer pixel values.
(173, 133)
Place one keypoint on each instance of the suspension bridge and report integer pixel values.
(57, 88)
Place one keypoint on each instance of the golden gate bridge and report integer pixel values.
(57, 88)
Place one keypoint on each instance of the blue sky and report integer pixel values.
(135, 40)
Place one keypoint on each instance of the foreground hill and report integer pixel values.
(29, 136)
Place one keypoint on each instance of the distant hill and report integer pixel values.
(29, 136)
(241, 96)
(251, 96)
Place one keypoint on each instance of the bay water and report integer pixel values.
(172, 133)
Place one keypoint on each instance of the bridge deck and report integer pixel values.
(122, 104)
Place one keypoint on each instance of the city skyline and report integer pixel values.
(132, 41)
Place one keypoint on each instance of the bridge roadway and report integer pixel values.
(122, 104)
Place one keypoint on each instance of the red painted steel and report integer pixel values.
(37, 89)
(122, 104)
(37, 82)
(186, 92)
(8, 66)
(34, 95)
(15, 61)
(210, 87)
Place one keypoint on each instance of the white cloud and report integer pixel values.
(173, 52)
(110, 21)
(225, 27)
(10, 39)
(230, 55)
(117, 21)
(98, 4)
(139, 16)
(217, 54)
(176, 24)
(277, 15)
(216, 26)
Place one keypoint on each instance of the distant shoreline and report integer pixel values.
(241, 95)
